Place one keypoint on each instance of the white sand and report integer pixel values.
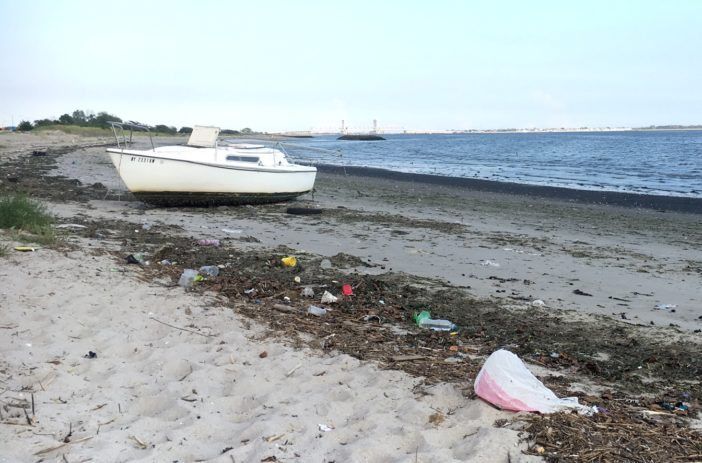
(187, 397)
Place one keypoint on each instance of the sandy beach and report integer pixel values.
(602, 301)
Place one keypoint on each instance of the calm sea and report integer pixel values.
(661, 162)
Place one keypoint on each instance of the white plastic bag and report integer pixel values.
(505, 382)
(328, 298)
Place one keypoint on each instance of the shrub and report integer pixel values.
(25, 126)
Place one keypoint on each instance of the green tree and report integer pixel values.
(247, 131)
(186, 130)
(102, 119)
(25, 126)
(43, 122)
(65, 119)
(164, 129)
(79, 117)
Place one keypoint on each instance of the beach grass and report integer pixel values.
(4, 250)
(76, 130)
(27, 218)
(93, 131)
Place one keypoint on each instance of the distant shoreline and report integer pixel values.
(614, 198)
(501, 131)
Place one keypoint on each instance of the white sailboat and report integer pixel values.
(202, 172)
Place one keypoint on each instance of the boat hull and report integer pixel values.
(184, 198)
(171, 182)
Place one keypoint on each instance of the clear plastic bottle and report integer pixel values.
(211, 270)
(317, 311)
(187, 278)
(424, 320)
(437, 325)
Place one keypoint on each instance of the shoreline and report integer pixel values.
(609, 198)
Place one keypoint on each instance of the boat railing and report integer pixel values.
(118, 129)
(306, 160)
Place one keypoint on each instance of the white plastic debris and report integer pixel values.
(328, 298)
(307, 292)
(489, 263)
(538, 303)
(665, 306)
(324, 428)
(507, 383)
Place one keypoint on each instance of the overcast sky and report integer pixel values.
(297, 65)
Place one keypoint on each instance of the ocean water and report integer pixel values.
(656, 162)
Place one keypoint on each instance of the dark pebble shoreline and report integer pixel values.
(611, 198)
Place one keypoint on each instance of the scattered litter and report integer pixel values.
(187, 278)
(325, 428)
(507, 383)
(70, 225)
(538, 303)
(581, 293)
(166, 262)
(381, 302)
(250, 291)
(90, 355)
(146, 226)
(284, 308)
(325, 264)
(680, 408)
(347, 290)
(297, 280)
(214, 243)
(210, 270)
(232, 232)
(136, 259)
(25, 249)
(489, 263)
(328, 298)
(423, 320)
(263, 355)
(289, 261)
(286, 299)
(316, 311)
(307, 292)
(664, 306)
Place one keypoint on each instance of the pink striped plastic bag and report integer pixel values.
(507, 383)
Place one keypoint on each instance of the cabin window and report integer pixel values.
(243, 158)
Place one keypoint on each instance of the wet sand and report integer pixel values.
(609, 198)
